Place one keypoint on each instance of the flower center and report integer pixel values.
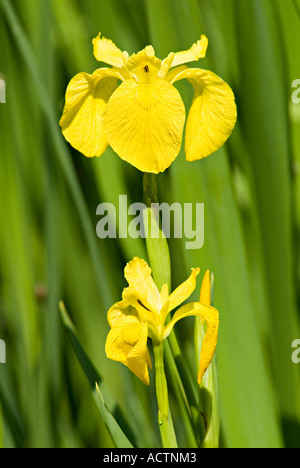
(145, 73)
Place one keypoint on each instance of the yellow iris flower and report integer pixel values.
(142, 119)
(143, 311)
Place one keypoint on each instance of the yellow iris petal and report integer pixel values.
(106, 51)
(164, 294)
(143, 119)
(197, 51)
(139, 357)
(173, 74)
(144, 56)
(120, 310)
(209, 344)
(141, 284)
(184, 291)
(166, 65)
(127, 343)
(143, 124)
(142, 314)
(211, 317)
(86, 98)
(212, 116)
(205, 293)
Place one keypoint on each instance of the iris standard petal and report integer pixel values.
(106, 51)
(141, 284)
(86, 98)
(184, 291)
(164, 294)
(212, 116)
(196, 52)
(211, 317)
(205, 292)
(145, 56)
(143, 124)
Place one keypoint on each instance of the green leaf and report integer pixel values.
(10, 409)
(114, 419)
(157, 246)
(116, 432)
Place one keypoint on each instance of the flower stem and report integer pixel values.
(159, 256)
(164, 416)
(157, 246)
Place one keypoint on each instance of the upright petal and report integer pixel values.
(127, 343)
(196, 52)
(106, 51)
(183, 292)
(141, 284)
(205, 293)
(144, 124)
(164, 294)
(211, 317)
(145, 56)
(166, 65)
(86, 98)
(212, 116)
(209, 342)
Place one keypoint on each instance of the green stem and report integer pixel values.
(156, 242)
(166, 427)
(161, 382)
(190, 392)
(180, 396)
(159, 257)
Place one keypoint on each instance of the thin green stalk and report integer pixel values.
(159, 256)
(166, 427)
(156, 243)
(181, 399)
(191, 395)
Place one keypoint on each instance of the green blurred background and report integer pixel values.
(48, 199)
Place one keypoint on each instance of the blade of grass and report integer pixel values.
(117, 434)
(117, 429)
(10, 409)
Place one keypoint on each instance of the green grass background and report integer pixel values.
(48, 199)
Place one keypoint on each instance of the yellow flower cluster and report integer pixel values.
(142, 119)
(143, 311)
